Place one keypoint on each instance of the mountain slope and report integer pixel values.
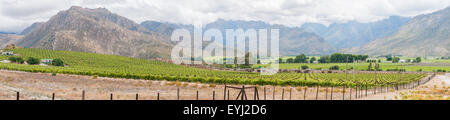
(6, 39)
(31, 28)
(424, 35)
(96, 31)
(352, 34)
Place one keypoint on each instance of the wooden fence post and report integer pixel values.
(332, 88)
(157, 96)
(282, 95)
(264, 93)
(228, 95)
(197, 95)
(317, 92)
(214, 94)
(304, 93)
(290, 93)
(224, 92)
(343, 92)
(18, 96)
(111, 96)
(326, 93)
(53, 96)
(351, 93)
(83, 95)
(178, 93)
(273, 93)
(137, 96)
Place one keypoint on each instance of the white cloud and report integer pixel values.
(15, 15)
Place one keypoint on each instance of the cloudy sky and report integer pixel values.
(15, 15)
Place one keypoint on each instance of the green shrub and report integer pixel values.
(334, 67)
(20, 60)
(33, 61)
(12, 59)
(58, 62)
(304, 67)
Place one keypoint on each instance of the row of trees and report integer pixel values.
(397, 59)
(342, 58)
(34, 61)
(299, 59)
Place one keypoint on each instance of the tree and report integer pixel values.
(335, 67)
(377, 67)
(388, 58)
(58, 62)
(395, 59)
(418, 60)
(280, 60)
(304, 67)
(312, 60)
(324, 59)
(33, 61)
(300, 58)
(290, 60)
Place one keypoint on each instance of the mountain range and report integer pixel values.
(423, 35)
(293, 40)
(353, 34)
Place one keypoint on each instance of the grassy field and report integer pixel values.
(125, 67)
(428, 64)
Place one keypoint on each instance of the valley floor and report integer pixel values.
(41, 86)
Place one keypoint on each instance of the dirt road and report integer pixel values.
(436, 89)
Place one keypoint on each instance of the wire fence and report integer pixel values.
(272, 93)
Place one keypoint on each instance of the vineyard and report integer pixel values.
(364, 66)
(92, 64)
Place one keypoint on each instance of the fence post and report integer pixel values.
(178, 93)
(214, 95)
(111, 96)
(282, 95)
(332, 88)
(157, 96)
(264, 93)
(53, 96)
(304, 93)
(224, 92)
(343, 92)
(197, 95)
(317, 92)
(290, 93)
(366, 89)
(18, 96)
(326, 93)
(351, 93)
(82, 96)
(228, 95)
(137, 96)
(273, 93)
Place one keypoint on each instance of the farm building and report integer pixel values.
(402, 61)
(47, 61)
(8, 53)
